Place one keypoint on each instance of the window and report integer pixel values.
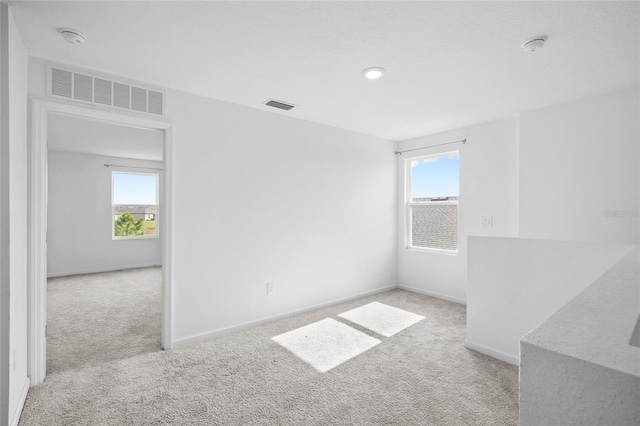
(134, 205)
(432, 202)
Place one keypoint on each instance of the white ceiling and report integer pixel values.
(72, 134)
(449, 64)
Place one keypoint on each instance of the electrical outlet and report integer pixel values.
(487, 221)
(269, 288)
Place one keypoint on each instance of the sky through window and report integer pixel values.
(137, 189)
(435, 176)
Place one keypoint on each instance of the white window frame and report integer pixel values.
(157, 206)
(409, 204)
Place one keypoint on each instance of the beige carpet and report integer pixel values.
(422, 375)
(96, 318)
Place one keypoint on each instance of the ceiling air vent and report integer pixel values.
(88, 88)
(279, 104)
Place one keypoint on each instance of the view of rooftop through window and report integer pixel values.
(135, 204)
(433, 202)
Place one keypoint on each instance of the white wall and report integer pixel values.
(488, 187)
(514, 284)
(551, 173)
(306, 206)
(80, 221)
(578, 160)
(17, 215)
(5, 224)
(263, 197)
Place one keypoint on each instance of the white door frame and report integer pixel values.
(37, 243)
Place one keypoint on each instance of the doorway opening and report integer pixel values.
(104, 246)
(97, 236)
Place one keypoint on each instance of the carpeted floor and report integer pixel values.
(96, 318)
(422, 375)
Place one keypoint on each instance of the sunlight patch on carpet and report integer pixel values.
(326, 344)
(383, 319)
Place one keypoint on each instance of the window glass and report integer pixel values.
(135, 205)
(435, 176)
(433, 202)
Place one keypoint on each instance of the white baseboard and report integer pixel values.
(432, 294)
(222, 331)
(17, 411)
(96, 271)
(514, 360)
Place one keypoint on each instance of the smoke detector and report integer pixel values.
(72, 36)
(534, 43)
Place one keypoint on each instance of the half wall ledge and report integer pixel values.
(579, 366)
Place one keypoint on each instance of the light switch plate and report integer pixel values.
(487, 221)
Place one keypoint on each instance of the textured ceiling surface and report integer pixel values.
(449, 64)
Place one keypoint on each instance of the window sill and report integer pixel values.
(433, 251)
(141, 237)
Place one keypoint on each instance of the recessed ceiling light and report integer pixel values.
(373, 73)
(534, 43)
(72, 36)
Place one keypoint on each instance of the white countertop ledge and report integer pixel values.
(597, 325)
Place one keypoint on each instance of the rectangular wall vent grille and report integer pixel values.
(102, 90)
(138, 99)
(121, 95)
(83, 87)
(99, 90)
(155, 102)
(61, 83)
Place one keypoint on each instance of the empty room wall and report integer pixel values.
(80, 221)
(488, 187)
(262, 197)
(578, 160)
(579, 170)
(565, 172)
(14, 380)
(514, 284)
